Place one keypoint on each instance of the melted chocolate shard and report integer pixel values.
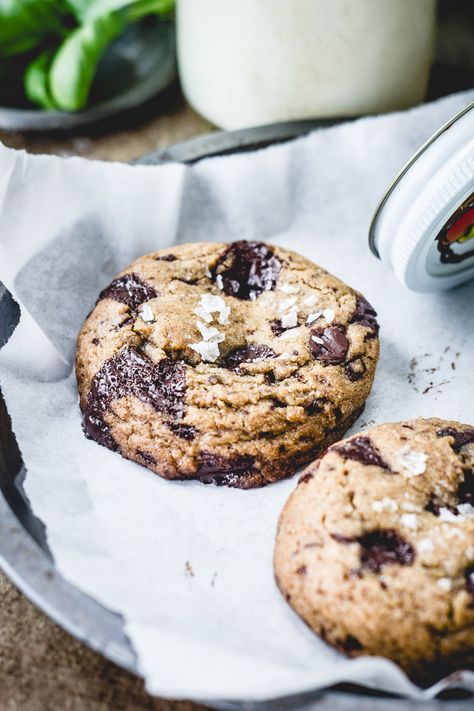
(248, 355)
(147, 457)
(355, 369)
(461, 437)
(380, 547)
(187, 432)
(130, 373)
(166, 258)
(465, 491)
(331, 344)
(365, 314)
(384, 547)
(304, 478)
(361, 449)
(247, 269)
(470, 579)
(130, 290)
(223, 471)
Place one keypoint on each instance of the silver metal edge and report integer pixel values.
(403, 172)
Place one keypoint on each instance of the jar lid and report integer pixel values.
(424, 224)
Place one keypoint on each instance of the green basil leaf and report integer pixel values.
(25, 23)
(75, 63)
(36, 80)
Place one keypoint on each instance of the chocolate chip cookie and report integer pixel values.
(375, 547)
(226, 363)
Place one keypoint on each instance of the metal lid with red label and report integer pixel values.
(424, 225)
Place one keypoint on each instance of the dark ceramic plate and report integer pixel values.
(24, 555)
(134, 70)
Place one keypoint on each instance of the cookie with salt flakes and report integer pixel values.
(226, 363)
(375, 547)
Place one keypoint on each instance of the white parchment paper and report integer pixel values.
(188, 566)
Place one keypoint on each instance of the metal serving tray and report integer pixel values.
(24, 555)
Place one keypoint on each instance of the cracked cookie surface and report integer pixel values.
(375, 547)
(226, 363)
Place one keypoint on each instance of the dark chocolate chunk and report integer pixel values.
(351, 644)
(223, 471)
(247, 355)
(270, 377)
(465, 491)
(461, 437)
(384, 547)
(470, 579)
(247, 269)
(305, 478)
(316, 406)
(129, 289)
(166, 258)
(331, 345)
(130, 373)
(355, 369)
(302, 570)
(147, 457)
(365, 314)
(434, 506)
(187, 432)
(361, 449)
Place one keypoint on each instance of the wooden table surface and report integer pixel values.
(42, 668)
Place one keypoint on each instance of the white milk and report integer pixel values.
(248, 62)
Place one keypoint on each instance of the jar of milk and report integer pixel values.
(249, 62)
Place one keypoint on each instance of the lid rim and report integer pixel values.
(403, 171)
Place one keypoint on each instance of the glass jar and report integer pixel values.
(423, 227)
(249, 62)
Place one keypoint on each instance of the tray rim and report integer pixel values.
(33, 572)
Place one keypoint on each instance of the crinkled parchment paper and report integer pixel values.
(190, 566)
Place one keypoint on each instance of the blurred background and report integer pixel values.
(116, 79)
